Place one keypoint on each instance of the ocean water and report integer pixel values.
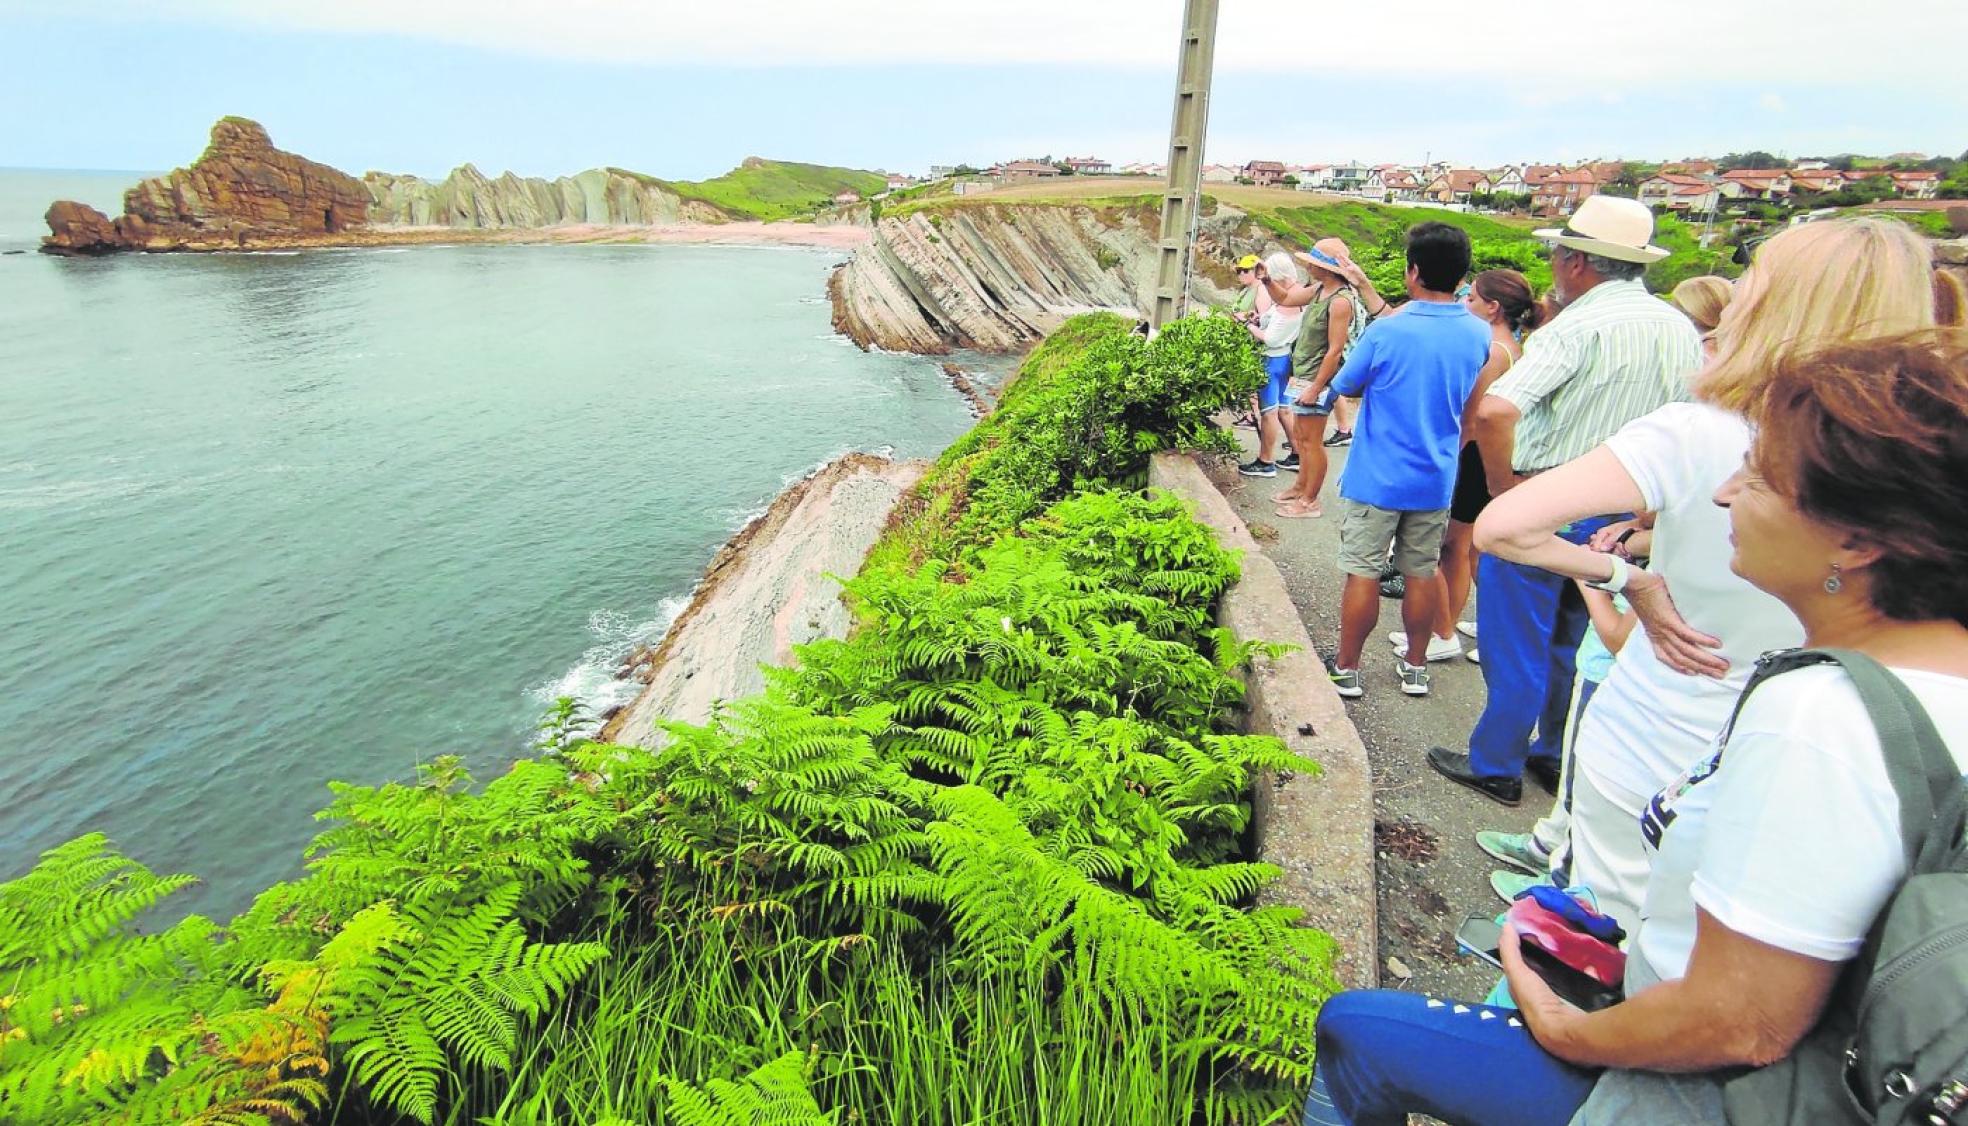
(268, 520)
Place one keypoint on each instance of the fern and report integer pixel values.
(774, 1094)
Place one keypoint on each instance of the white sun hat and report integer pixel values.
(1609, 226)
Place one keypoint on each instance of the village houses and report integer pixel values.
(1456, 185)
(1264, 173)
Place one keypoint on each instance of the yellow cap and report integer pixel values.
(1247, 262)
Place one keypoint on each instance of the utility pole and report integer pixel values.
(1182, 199)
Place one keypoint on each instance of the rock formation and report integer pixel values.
(468, 199)
(80, 229)
(768, 590)
(994, 278)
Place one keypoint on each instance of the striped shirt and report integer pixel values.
(1614, 354)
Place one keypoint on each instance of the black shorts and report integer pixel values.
(1472, 491)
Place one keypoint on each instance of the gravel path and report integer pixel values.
(1431, 875)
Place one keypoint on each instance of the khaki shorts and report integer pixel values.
(1366, 532)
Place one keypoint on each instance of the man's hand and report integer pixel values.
(1679, 645)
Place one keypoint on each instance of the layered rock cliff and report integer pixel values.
(995, 278)
(241, 192)
(468, 199)
(769, 589)
(244, 193)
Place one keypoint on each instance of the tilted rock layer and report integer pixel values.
(468, 199)
(242, 191)
(994, 278)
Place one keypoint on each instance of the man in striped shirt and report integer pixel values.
(1613, 353)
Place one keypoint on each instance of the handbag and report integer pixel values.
(1891, 1048)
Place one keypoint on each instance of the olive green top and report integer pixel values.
(1310, 351)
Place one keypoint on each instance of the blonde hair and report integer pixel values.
(1703, 299)
(1818, 284)
(1950, 300)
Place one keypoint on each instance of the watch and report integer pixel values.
(1615, 582)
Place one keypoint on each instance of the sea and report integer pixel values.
(270, 520)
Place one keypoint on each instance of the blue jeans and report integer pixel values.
(1530, 622)
(1384, 1054)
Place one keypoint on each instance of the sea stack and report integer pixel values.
(242, 192)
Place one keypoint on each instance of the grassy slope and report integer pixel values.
(774, 189)
(1371, 230)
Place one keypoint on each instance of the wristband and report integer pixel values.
(1615, 582)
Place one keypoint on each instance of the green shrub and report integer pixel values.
(979, 861)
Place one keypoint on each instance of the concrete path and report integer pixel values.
(1431, 875)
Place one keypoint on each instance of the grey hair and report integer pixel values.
(1611, 269)
(1279, 265)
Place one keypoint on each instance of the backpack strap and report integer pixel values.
(1924, 775)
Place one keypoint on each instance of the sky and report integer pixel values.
(686, 91)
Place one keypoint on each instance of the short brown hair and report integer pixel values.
(1871, 437)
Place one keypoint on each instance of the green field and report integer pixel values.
(774, 189)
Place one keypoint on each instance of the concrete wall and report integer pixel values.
(1318, 828)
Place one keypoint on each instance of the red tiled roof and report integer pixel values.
(1575, 176)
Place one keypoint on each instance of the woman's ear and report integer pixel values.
(1857, 553)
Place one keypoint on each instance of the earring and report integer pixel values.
(1834, 584)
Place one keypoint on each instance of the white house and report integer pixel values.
(1917, 185)
(1219, 174)
(1509, 179)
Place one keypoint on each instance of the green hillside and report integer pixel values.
(775, 189)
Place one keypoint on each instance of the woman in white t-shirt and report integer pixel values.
(1666, 699)
(1775, 853)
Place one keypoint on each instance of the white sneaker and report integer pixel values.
(1439, 648)
(1474, 656)
(1467, 629)
(1414, 678)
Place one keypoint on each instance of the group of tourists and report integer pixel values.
(1653, 498)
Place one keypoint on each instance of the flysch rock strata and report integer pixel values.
(767, 591)
(994, 278)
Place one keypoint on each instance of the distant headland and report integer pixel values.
(245, 194)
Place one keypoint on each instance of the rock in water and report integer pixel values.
(79, 229)
(241, 192)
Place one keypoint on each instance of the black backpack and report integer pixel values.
(1892, 1045)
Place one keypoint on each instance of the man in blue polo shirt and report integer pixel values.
(1414, 372)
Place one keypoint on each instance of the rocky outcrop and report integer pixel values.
(245, 194)
(78, 228)
(768, 590)
(994, 278)
(468, 199)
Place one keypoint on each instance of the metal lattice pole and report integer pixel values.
(1182, 199)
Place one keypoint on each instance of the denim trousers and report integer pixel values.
(1530, 622)
(1384, 1054)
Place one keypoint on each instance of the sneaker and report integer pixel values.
(1289, 461)
(1472, 655)
(1346, 682)
(1257, 467)
(1340, 438)
(1509, 885)
(1519, 850)
(1439, 648)
(1395, 588)
(1467, 629)
(1414, 678)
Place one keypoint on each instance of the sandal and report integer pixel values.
(1299, 511)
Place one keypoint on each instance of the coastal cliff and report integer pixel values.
(768, 590)
(468, 199)
(245, 194)
(241, 192)
(996, 278)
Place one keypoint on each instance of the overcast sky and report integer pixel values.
(686, 90)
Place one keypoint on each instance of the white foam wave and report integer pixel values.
(591, 681)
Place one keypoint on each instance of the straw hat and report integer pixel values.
(1333, 250)
(1609, 226)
